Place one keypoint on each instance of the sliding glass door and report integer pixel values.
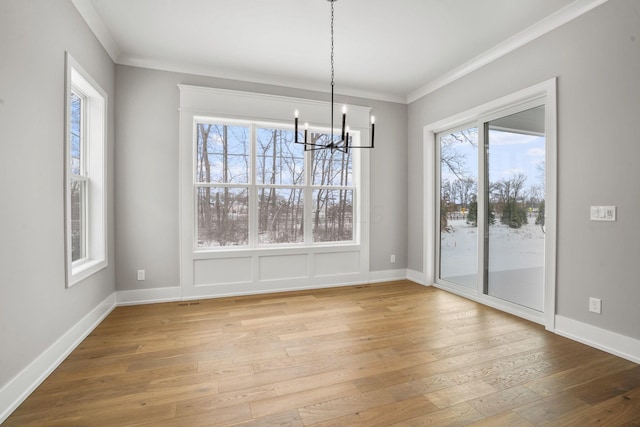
(491, 229)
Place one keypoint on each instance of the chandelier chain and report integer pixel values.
(332, 66)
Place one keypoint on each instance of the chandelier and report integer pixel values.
(345, 142)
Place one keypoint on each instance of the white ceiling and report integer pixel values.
(396, 50)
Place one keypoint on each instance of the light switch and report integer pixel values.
(603, 213)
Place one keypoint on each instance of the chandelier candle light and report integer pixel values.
(345, 142)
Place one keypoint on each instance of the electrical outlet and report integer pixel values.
(141, 274)
(393, 258)
(595, 305)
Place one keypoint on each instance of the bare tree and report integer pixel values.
(509, 197)
(458, 193)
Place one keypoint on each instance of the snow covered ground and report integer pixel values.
(516, 261)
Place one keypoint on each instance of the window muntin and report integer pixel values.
(255, 187)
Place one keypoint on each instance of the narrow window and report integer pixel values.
(85, 190)
(78, 180)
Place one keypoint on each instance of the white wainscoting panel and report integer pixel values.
(336, 263)
(218, 271)
(278, 267)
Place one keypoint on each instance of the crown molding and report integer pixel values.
(91, 17)
(561, 17)
(247, 77)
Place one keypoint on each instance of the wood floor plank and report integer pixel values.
(505, 419)
(384, 415)
(580, 374)
(616, 411)
(281, 403)
(551, 408)
(451, 396)
(336, 408)
(504, 400)
(454, 416)
(608, 387)
(386, 354)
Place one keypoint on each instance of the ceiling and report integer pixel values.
(395, 50)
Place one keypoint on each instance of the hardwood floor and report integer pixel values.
(376, 355)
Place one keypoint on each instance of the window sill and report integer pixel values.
(84, 270)
(209, 253)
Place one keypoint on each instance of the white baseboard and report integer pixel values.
(22, 385)
(148, 296)
(416, 276)
(387, 275)
(611, 342)
(168, 294)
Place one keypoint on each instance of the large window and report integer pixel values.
(85, 166)
(258, 213)
(254, 187)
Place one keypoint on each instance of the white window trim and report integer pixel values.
(231, 105)
(94, 122)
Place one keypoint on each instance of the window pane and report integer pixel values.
(330, 167)
(223, 154)
(279, 159)
(223, 217)
(280, 213)
(332, 215)
(78, 221)
(459, 207)
(75, 133)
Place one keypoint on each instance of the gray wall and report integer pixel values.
(35, 307)
(596, 58)
(147, 174)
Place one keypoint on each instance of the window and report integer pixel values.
(254, 187)
(85, 168)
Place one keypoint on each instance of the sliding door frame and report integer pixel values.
(543, 94)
